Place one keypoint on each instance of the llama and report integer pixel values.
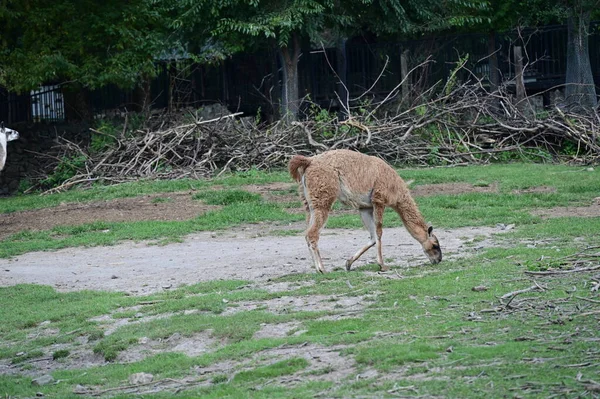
(6, 135)
(365, 183)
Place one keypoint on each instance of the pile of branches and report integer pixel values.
(447, 125)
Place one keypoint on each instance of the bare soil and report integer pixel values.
(590, 211)
(171, 206)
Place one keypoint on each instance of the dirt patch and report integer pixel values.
(312, 303)
(194, 345)
(276, 330)
(274, 192)
(171, 206)
(536, 190)
(590, 211)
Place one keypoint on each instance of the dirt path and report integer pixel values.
(140, 268)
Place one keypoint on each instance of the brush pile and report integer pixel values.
(458, 125)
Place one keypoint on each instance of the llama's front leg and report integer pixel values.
(366, 215)
(316, 222)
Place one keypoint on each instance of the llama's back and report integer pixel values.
(360, 173)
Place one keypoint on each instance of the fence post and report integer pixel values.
(342, 67)
(404, 76)
(519, 83)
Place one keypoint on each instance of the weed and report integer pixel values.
(226, 197)
(219, 379)
(60, 354)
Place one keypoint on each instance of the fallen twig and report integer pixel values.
(551, 272)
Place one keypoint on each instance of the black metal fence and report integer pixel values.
(251, 82)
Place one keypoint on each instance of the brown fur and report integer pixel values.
(364, 182)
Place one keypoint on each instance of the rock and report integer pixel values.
(140, 378)
(174, 337)
(43, 380)
(479, 288)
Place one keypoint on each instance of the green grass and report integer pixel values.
(423, 332)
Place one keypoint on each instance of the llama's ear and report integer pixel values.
(2, 125)
(429, 231)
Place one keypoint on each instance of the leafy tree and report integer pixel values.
(80, 43)
(286, 24)
(580, 89)
(247, 24)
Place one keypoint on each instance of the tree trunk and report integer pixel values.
(494, 72)
(290, 96)
(580, 93)
(405, 78)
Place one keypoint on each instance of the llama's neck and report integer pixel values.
(411, 217)
(3, 142)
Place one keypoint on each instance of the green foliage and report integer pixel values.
(324, 121)
(453, 78)
(104, 137)
(570, 148)
(91, 43)
(66, 168)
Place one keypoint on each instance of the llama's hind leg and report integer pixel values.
(378, 219)
(366, 215)
(320, 189)
(317, 220)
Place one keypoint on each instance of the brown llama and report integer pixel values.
(365, 183)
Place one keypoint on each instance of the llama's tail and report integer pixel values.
(297, 166)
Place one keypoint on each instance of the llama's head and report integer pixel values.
(8, 133)
(431, 247)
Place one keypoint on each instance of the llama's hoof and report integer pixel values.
(348, 265)
(384, 268)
